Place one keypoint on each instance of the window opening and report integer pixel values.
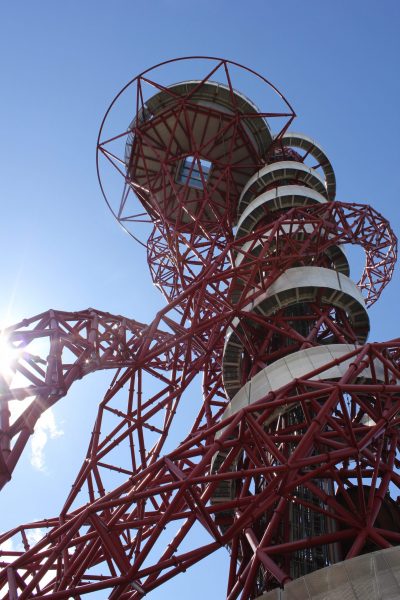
(192, 170)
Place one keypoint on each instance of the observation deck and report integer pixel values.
(191, 149)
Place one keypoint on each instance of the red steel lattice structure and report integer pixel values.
(291, 462)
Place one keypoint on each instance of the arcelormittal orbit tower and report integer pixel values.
(291, 462)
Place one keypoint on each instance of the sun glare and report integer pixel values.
(8, 356)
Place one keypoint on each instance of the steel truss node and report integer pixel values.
(292, 460)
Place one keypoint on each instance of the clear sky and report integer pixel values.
(61, 63)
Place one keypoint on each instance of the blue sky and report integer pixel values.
(61, 63)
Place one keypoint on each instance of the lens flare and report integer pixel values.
(9, 355)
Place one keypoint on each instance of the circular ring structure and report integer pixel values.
(335, 253)
(319, 363)
(357, 224)
(295, 286)
(183, 142)
(313, 149)
(283, 197)
(296, 366)
(281, 173)
(190, 146)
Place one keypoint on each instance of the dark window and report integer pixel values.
(194, 172)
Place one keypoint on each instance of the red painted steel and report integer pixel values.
(72, 345)
(126, 525)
